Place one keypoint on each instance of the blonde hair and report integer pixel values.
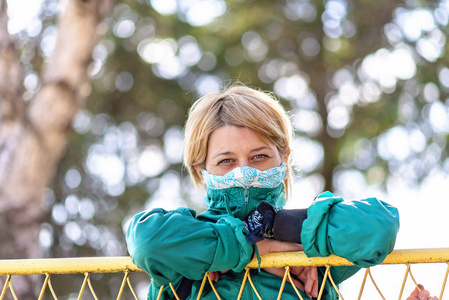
(239, 106)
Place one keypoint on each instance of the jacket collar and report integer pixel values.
(240, 202)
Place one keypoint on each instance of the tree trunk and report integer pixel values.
(33, 137)
(319, 72)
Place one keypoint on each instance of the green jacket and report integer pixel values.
(171, 245)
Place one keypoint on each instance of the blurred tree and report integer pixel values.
(34, 130)
(366, 84)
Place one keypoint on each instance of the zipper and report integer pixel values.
(246, 193)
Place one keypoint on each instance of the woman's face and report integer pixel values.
(231, 147)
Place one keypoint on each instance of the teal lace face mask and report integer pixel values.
(246, 177)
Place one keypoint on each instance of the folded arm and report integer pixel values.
(173, 244)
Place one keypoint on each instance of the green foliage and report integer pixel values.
(361, 82)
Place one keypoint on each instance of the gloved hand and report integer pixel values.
(259, 224)
(288, 222)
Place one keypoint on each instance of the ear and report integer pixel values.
(286, 154)
(198, 171)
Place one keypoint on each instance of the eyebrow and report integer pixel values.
(252, 151)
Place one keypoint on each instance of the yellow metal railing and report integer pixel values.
(88, 266)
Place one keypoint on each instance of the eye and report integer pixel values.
(224, 161)
(260, 156)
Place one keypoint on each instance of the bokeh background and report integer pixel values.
(366, 84)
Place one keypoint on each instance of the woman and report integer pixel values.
(237, 146)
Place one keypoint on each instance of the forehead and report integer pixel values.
(235, 139)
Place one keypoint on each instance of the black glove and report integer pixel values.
(288, 222)
(259, 224)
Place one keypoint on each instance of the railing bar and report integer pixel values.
(294, 287)
(174, 291)
(11, 288)
(272, 260)
(324, 282)
(375, 285)
(122, 286)
(404, 281)
(299, 259)
(83, 286)
(242, 287)
(160, 292)
(44, 285)
(67, 265)
(414, 281)
(5, 287)
(290, 259)
(335, 286)
(92, 289)
(444, 282)
(51, 289)
(212, 286)
(363, 284)
(202, 286)
(131, 288)
(253, 286)
(284, 279)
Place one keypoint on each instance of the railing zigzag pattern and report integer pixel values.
(88, 266)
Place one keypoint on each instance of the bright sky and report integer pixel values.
(423, 209)
(20, 18)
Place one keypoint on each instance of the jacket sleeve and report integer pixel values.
(364, 232)
(171, 244)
